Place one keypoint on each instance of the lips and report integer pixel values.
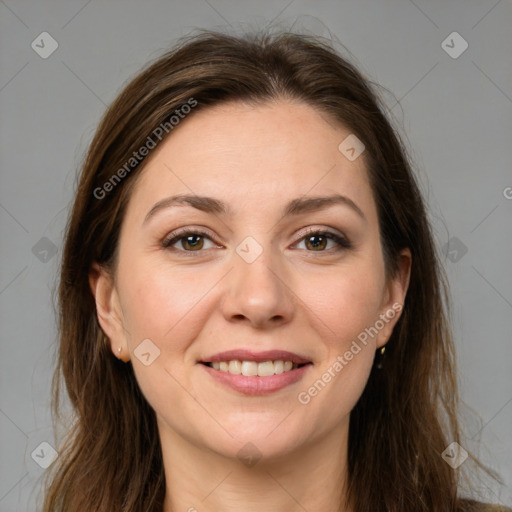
(258, 357)
(256, 386)
(257, 379)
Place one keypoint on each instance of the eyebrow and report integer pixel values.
(294, 207)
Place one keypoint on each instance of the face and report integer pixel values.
(257, 267)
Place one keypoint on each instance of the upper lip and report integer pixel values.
(258, 357)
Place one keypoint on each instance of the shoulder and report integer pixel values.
(475, 506)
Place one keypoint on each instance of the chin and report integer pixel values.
(268, 441)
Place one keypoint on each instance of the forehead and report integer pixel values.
(266, 152)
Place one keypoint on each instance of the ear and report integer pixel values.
(109, 311)
(394, 297)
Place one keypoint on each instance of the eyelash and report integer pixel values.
(343, 243)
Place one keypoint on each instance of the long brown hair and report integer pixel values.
(407, 414)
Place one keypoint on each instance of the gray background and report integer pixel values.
(455, 112)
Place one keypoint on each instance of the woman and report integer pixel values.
(251, 307)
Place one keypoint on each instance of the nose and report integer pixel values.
(258, 293)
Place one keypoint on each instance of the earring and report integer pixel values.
(119, 352)
(379, 364)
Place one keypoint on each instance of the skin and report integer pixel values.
(292, 297)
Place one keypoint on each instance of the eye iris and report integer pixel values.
(316, 244)
(193, 242)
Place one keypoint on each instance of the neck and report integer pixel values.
(311, 477)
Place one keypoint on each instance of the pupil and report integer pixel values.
(320, 241)
(191, 243)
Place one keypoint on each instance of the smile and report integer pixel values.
(248, 380)
(254, 369)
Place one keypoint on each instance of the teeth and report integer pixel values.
(235, 367)
(250, 368)
(253, 369)
(278, 367)
(265, 369)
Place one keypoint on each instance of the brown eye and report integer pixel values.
(192, 242)
(188, 241)
(316, 242)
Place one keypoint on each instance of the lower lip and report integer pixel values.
(257, 385)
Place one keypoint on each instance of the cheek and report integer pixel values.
(344, 308)
(346, 302)
(159, 300)
(169, 308)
